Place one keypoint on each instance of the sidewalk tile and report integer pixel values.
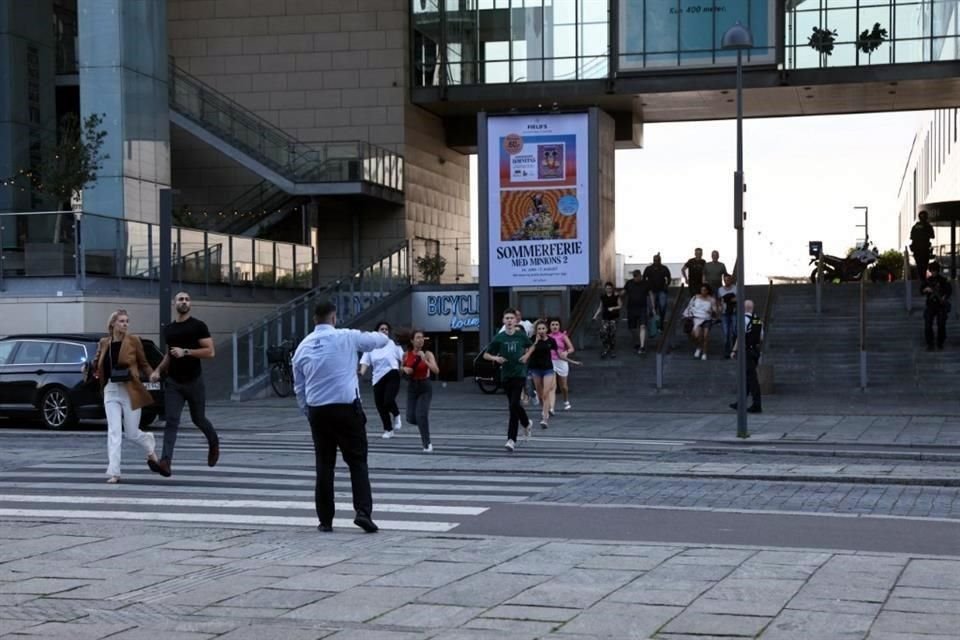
(616, 620)
(918, 623)
(726, 625)
(576, 588)
(357, 605)
(487, 589)
(429, 574)
(420, 616)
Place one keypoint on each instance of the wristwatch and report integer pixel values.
(186, 352)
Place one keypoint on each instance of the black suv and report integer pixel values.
(42, 374)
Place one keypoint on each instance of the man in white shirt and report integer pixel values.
(328, 393)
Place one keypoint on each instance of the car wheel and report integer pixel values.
(147, 416)
(56, 410)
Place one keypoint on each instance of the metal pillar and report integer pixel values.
(165, 295)
(738, 186)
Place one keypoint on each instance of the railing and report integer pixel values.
(353, 294)
(667, 334)
(582, 308)
(300, 162)
(68, 244)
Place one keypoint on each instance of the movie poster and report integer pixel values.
(538, 200)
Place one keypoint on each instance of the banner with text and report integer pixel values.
(443, 311)
(538, 196)
(688, 33)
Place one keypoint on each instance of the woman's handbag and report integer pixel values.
(118, 376)
(688, 325)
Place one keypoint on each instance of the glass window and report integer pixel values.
(32, 352)
(5, 349)
(68, 353)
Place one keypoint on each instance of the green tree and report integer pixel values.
(73, 162)
(431, 267)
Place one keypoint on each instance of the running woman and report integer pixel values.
(610, 310)
(418, 364)
(561, 360)
(507, 349)
(385, 363)
(540, 363)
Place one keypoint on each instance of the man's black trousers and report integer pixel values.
(938, 315)
(518, 416)
(753, 381)
(343, 426)
(922, 259)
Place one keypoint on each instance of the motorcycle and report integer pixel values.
(849, 269)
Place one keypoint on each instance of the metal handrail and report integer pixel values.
(668, 330)
(582, 308)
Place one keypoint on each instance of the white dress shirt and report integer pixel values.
(325, 365)
(383, 360)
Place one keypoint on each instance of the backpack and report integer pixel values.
(754, 335)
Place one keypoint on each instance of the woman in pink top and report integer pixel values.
(561, 361)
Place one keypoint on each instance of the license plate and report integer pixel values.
(152, 386)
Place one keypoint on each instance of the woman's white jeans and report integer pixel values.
(122, 418)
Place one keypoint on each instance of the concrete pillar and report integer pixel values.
(27, 100)
(123, 74)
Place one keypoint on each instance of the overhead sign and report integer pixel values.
(442, 311)
(687, 33)
(538, 197)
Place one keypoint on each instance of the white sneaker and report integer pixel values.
(397, 423)
(526, 432)
(552, 412)
(566, 406)
(544, 424)
(696, 354)
(387, 435)
(536, 400)
(428, 449)
(703, 357)
(511, 445)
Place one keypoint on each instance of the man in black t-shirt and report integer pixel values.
(188, 341)
(658, 277)
(637, 292)
(693, 271)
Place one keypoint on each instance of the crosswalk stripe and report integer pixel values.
(299, 471)
(223, 518)
(227, 478)
(238, 504)
(151, 486)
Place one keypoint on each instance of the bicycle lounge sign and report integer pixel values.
(439, 311)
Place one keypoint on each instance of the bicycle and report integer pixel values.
(280, 359)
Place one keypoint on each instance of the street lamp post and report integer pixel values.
(866, 226)
(738, 38)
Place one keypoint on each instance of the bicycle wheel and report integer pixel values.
(281, 379)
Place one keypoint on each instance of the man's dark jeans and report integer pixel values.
(518, 416)
(193, 394)
(938, 315)
(343, 426)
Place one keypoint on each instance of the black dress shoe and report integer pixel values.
(213, 454)
(365, 523)
(755, 409)
(325, 528)
(162, 467)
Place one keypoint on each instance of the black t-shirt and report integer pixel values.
(541, 358)
(608, 303)
(186, 335)
(658, 276)
(636, 296)
(112, 362)
(695, 272)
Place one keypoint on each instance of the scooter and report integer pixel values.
(849, 269)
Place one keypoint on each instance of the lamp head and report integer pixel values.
(737, 37)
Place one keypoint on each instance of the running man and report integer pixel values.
(507, 348)
(188, 342)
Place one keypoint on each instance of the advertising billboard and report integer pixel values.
(538, 200)
(655, 34)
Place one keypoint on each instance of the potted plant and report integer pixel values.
(870, 41)
(822, 41)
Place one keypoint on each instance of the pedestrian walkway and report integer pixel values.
(99, 580)
(273, 494)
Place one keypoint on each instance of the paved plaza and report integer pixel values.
(612, 523)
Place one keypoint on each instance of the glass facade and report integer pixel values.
(471, 42)
(501, 41)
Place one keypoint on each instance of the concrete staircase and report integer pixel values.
(630, 374)
(813, 353)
